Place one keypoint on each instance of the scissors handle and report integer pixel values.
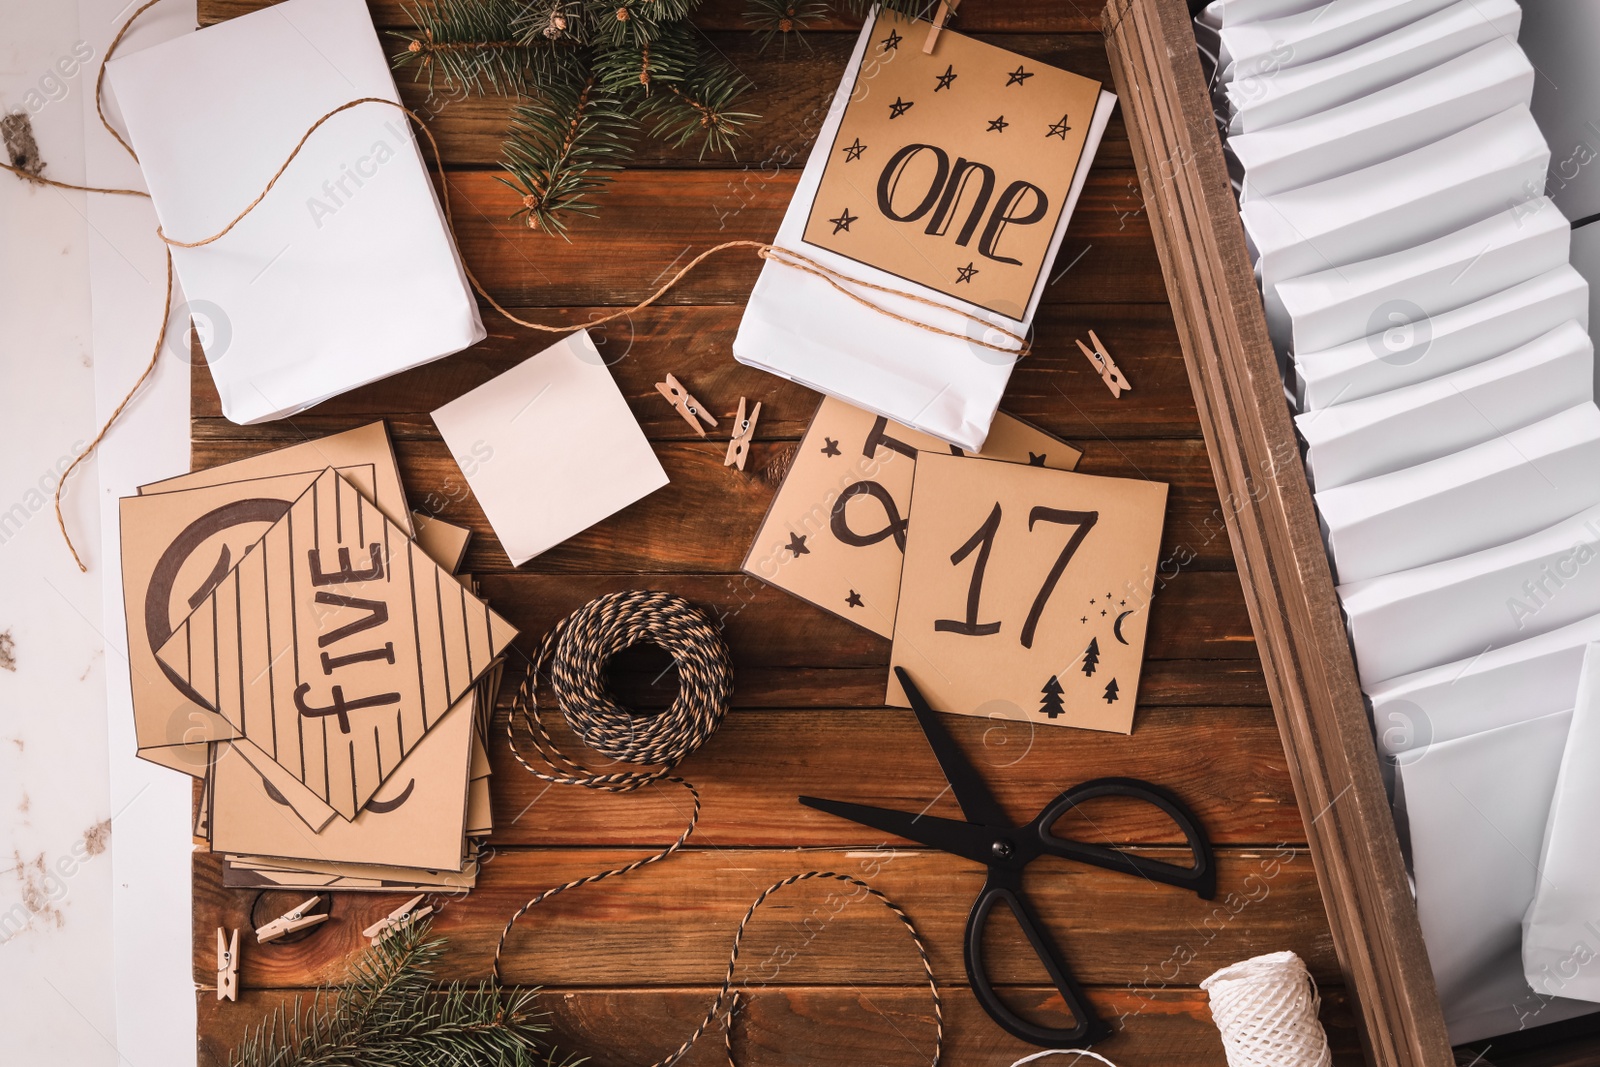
(1200, 879)
(1087, 1027)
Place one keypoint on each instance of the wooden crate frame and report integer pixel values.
(1272, 525)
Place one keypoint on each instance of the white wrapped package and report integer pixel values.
(1281, 95)
(1476, 808)
(1416, 619)
(346, 272)
(1410, 350)
(1220, 13)
(1331, 307)
(1318, 33)
(1508, 487)
(1561, 929)
(1404, 427)
(1389, 206)
(1434, 104)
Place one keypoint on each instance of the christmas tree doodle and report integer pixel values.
(1111, 692)
(1051, 704)
(1091, 656)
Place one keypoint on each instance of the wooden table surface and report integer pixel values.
(629, 965)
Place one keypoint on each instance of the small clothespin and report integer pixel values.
(743, 429)
(691, 409)
(398, 919)
(227, 966)
(946, 9)
(291, 921)
(1109, 373)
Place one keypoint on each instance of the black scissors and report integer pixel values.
(989, 838)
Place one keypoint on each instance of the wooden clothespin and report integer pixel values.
(690, 408)
(227, 966)
(1109, 373)
(743, 429)
(946, 9)
(398, 919)
(291, 921)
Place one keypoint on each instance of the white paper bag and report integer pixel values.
(1561, 929)
(1404, 201)
(1404, 427)
(1284, 93)
(345, 272)
(1332, 307)
(1317, 33)
(1381, 125)
(1515, 484)
(1412, 620)
(1409, 349)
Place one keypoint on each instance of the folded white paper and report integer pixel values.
(1410, 350)
(1404, 427)
(1559, 37)
(1277, 95)
(550, 447)
(1411, 620)
(1561, 929)
(1220, 13)
(1586, 261)
(1332, 307)
(1390, 206)
(1315, 34)
(345, 272)
(1384, 124)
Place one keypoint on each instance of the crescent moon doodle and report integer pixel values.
(1116, 627)
(383, 806)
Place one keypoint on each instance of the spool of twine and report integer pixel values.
(1266, 1010)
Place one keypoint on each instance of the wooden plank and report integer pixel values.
(1274, 531)
(885, 1026)
(671, 923)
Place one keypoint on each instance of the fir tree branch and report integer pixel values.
(560, 149)
(784, 20)
(481, 45)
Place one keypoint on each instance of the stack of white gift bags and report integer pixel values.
(1392, 161)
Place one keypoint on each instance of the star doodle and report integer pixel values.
(1036, 459)
(831, 447)
(891, 43)
(1084, 619)
(998, 125)
(1091, 600)
(899, 107)
(854, 599)
(852, 152)
(1059, 129)
(964, 274)
(1018, 76)
(843, 221)
(1108, 596)
(1122, 603)
(797, 545)
(946, 78)
(1102, 611)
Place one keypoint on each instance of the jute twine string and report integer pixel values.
(574, 654)
(1266, 1009)
(788, 257)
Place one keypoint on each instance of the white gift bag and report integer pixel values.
(1515, 484)
(1411, 620)
(1389, 206)
(1381, 125)
(1561, 929)
(1220, 13)
(1404, 427)
(1283, 94)
(1409, 349)
(1331, 307)
(1318, 33)
(346, 272)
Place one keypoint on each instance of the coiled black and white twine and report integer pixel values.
(574, 655)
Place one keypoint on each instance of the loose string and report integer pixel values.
(1078, 1052)
(575, 652)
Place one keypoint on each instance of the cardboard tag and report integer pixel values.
(835, 533)
(1026, 592)
(951, 169)
(335, 644)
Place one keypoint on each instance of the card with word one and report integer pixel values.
(835, 534)
(952, 169)
(335, 644)
(1026, 592)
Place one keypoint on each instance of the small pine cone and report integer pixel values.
(785, 25)
(622, 14)
(560, 22)
(414, 47)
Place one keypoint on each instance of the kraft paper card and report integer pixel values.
(950, 170)
(263, 872)
(335, 644)
(835, 534)
(1026, 592)
(416, 819)
(445, 543)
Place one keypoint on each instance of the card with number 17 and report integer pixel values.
(1026, 592)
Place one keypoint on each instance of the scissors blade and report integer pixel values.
(970, 790)
(947, 835)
